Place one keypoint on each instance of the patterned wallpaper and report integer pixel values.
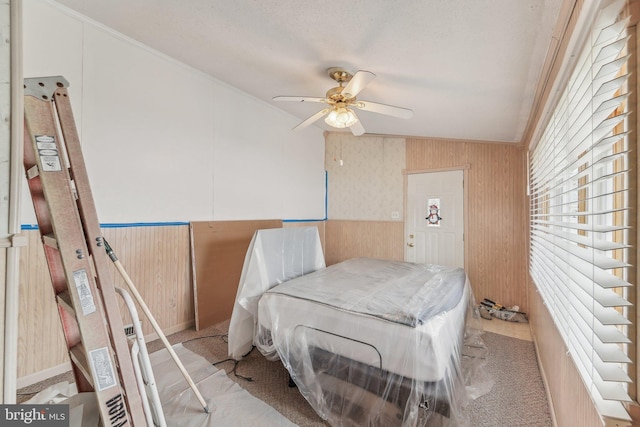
(365, 177)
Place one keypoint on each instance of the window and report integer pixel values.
(580, 218)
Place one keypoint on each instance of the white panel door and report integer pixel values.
(434, 224)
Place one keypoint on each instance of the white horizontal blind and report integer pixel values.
(579, 214)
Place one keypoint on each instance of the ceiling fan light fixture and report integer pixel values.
(342, 104)
(341, 117)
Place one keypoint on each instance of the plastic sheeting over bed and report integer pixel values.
(274, 256)
(375, 342)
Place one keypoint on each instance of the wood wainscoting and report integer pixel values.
(497, 227)
(156, 258)
(571, 403)
(346, 239)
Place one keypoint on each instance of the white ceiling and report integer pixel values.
(468, 69)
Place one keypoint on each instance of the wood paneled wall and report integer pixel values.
(572, 405)
(347, 239)
(497, 216)
(40, 341)
(156, 258)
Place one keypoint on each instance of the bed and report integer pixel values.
(367, 342)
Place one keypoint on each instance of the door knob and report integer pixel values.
(410, 245)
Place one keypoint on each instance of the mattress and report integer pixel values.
(341, 319)
(371, 342)
(367, 342)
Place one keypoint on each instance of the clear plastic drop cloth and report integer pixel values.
(273, 257)
(229, 404)
(378, 343)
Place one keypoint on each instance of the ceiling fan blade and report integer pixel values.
(357, 129)
(299, 99)
(358, 82)
(312, 119)
(389, 110)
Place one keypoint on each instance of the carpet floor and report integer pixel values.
(517, 398)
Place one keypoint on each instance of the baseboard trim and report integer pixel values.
(172, 330)
(43, 375)
(62, 368)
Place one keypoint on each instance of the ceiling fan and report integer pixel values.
(341, 101)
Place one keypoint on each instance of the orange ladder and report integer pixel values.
(75, 253)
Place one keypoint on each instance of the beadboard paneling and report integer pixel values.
(572, 404)
(496, 243)
(40, 339)
(347, 239)
(156, 259)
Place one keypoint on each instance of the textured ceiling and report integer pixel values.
(468, 69)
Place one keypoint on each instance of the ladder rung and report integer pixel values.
(64, 299)
(84, 290)
(50, 240)
(79, 359)
(33, 172)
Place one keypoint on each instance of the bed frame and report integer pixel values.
(355, 352)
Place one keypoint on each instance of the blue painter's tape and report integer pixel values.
(141, 224)
(163, 224)
(326, 203)
(120, 225)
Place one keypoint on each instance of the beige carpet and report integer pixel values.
(517, 399)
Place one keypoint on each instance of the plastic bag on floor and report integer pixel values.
(490, 309)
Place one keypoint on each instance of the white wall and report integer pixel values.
(164, 142)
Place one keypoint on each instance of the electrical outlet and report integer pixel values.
(395, 215)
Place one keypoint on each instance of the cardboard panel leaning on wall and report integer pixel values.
(218, 251)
